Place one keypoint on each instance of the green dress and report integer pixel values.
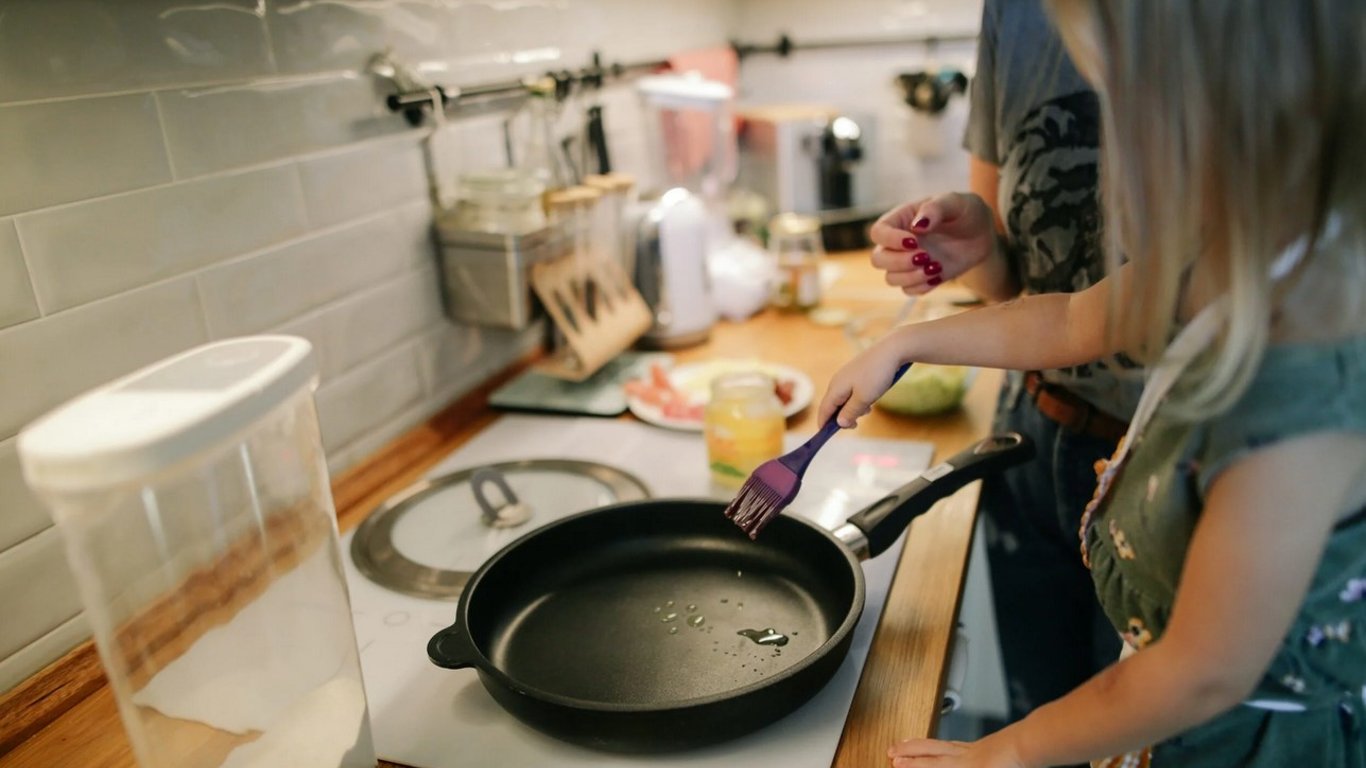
(1310, 708)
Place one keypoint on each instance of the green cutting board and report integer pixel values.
(601, 394)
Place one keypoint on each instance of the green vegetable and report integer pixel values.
(926, 389)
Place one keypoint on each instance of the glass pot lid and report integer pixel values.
(430, 538)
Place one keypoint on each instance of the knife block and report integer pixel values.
(592, 336)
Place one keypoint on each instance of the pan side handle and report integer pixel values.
(453, 648)
(885, 519)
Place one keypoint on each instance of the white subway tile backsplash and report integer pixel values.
(46, 362)
(51, 48)
(356, 183)
(57, 152)
(83, 252)
(455, 358)
(21, 514)
(17, 302)
(216, 128)
(253, 294)
(367, 397)
(320, 37)
(48, 597)
(415, 237)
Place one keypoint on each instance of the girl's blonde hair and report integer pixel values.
(1232, 128)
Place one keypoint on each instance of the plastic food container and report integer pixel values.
(194, 503)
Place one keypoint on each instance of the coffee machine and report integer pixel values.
(812, 159)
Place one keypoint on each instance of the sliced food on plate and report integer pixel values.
(676, 397)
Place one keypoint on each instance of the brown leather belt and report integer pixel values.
(1071, 412)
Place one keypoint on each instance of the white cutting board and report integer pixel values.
(428, 717)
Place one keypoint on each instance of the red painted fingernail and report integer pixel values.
(920, 259)
(933, 281)
(908, 243)
(933, 268)
(921, 223)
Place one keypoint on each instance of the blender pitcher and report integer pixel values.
(193, 500)
(690, 138)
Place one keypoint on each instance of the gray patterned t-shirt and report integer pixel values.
(1034, 116)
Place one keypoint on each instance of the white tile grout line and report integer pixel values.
(245, 83)
(28, 269)
(165, 137)
(268, 33)
(300, 197)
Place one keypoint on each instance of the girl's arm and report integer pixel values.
(1052, 330)
(1251, 558)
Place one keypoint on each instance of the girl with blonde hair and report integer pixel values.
(1227, 536)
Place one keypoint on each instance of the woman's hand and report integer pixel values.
(861, 381)
(991, 752)
(923, 243)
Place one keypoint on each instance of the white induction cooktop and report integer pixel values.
(427, 717)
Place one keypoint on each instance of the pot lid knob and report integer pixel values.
(511, 513)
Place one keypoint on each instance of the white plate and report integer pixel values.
(694, 379)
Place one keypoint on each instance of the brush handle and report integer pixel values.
(800, 458)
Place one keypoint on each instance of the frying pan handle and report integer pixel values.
(885, 519)
(453, 648)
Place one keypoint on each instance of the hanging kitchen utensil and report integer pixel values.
(597, 139)
(657, 626)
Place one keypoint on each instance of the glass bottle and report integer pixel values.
(743, 425)
(795, 242)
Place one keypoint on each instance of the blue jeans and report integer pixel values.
(1053, 634)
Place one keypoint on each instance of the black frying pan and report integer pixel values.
(570, 626)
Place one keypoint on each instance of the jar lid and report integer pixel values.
(571, 196)
(794, 224)
(610, 182)
(165, 413)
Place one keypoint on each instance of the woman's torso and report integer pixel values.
(1138, 538)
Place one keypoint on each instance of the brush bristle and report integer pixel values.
(765, 494)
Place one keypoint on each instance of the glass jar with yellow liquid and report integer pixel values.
(743, 424)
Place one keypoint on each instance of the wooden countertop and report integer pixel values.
(66, 714)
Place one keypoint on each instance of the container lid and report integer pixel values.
(163, 414)
(567, 197)
(610, 182)
(793, 224)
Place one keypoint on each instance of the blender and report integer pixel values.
(689, 135)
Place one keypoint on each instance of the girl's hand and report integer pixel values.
(923, 243)
(990, 752)
(859, 382)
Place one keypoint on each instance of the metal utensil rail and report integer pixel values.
(415, 103)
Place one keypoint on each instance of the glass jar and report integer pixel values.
(610, 217)
(502, 202)
(795, 242)
(743, 425)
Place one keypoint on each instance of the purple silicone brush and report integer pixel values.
(775, 483)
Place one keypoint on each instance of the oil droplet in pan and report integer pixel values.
(769, 636)
(696, 621)
(668, 617)
(673, 630)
